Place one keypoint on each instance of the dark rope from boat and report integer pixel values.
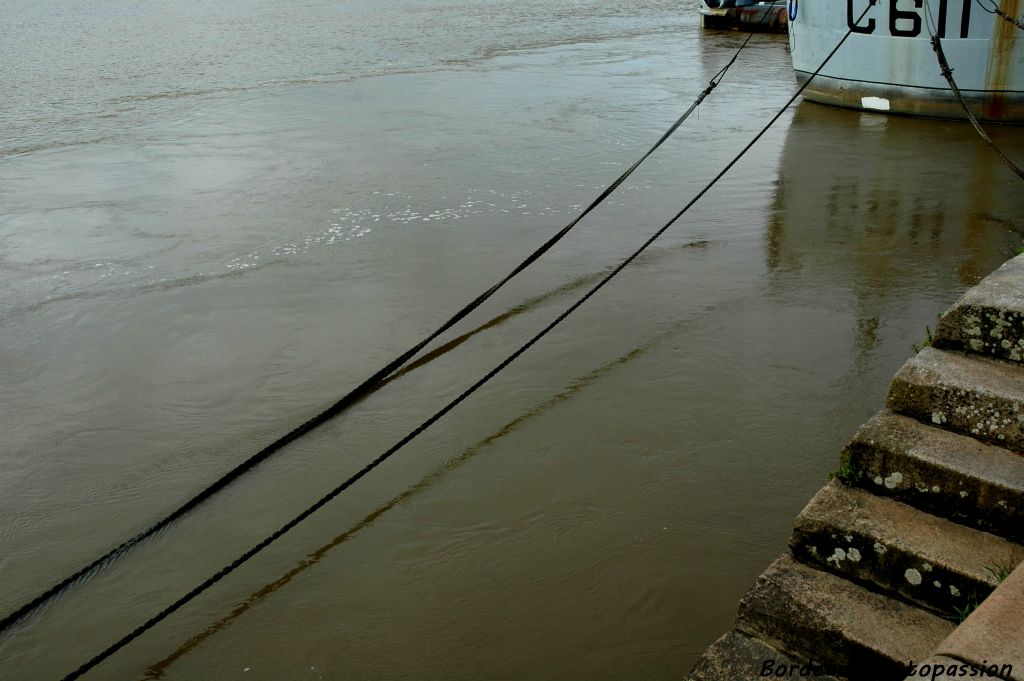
(947, 73)
(359, 392)
(235, 564)
(1000, 13)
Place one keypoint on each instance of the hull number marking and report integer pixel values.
(906, 18)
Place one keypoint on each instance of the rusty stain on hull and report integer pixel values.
(1000, 62)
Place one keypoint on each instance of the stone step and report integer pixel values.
(942, 667)
(941, 472)
(849, 631)
(989, 318)
(737, 657)
(897, 549)
(992, 638)
(970, 394)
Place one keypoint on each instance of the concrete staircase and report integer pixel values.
(924, 519)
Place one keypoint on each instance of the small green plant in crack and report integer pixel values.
(968, 607)
(1012, 249)
(926, 343)
(846, 473)
(999, 570)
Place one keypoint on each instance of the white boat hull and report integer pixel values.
(888, 63)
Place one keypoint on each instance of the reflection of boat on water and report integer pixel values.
(860, 196)
(888, 63)
(873, 212)
(764, 15)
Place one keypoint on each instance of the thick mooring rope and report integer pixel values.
(359, 392)
(947, 73)
(231, 567)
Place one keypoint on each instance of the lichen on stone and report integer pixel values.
(838, 556)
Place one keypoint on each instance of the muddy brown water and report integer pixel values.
(217, 219)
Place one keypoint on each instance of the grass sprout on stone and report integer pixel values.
(999, 570)
(926, 343)
(1012, 249)
(846, 473)
(968, 607)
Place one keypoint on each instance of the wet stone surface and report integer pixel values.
(736, 657)
(853, 632)
(943, 473)
(889, 546)
(993, 633)
(971, 395)
(989, 318)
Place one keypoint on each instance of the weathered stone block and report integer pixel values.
(736, 657)
(973, 395)
(939, 667)
(994, 633)
(941, 472)
(989, 318)
(895, 548)
(854, 633)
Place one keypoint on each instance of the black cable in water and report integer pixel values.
(948, 75)
(223, 572)
(356, 394)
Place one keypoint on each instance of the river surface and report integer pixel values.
(217, 218)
